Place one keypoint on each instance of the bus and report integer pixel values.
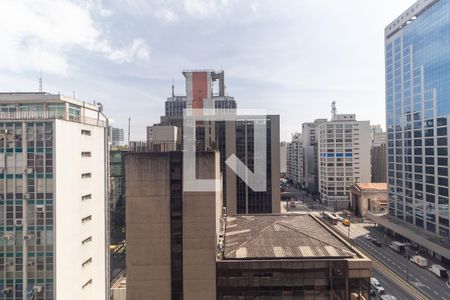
(332, 218)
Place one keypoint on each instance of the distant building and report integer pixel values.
(53, 198)
(288, 257)
(310, 155)
(116, 136)
(375, 129)
(368, 197)
(164, 137)
(294, 166)
(171, 233)
(283, 159)
(344, 150)
(378, 157)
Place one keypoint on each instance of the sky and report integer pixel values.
(290, 57)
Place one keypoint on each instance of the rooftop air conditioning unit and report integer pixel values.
(8, 236)
(27, 237)
(18, 222)
(6, 290)
(40, 208)
(3, 131)
(9, 262)
(28, 170)
(37, 289)
(30, 262)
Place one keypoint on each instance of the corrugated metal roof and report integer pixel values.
(278, 237)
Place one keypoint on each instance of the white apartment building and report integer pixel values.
(344, 158)
(294, 165)
(53, 205)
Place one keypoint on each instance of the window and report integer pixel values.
(86, 240)
(86, 154)
(86, 219)
(86, 175)
(89, 282)
(86, 197)
(87, 262)
(85, 132)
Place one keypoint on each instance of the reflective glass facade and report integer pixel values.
(417, 112)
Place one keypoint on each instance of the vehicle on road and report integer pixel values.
(419, 260)
(377, 243)
(398, 247)
(438, 270)
(292, 204)
(346, 222)
(333, 219)
(340, 219)
(376, 286)
(367, 237)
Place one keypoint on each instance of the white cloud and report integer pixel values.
(205, 8)
(166, 15)
(39, 34)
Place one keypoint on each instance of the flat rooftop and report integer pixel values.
(299, 236)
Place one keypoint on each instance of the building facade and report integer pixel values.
(310, 155)
(53, 200)
(344, 158)
(294, 165)
(171, 233)
(116, 135)
(417, 47)
(368, 197)
(378, 156)
(283, 159)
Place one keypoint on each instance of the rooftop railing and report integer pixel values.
(47, 115)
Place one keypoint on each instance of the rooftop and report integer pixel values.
(281, 237)
(372, 186)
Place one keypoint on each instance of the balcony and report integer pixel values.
(49, 115)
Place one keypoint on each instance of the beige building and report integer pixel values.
(368, 197)
(171, 233)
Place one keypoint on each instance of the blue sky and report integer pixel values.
(292, 58)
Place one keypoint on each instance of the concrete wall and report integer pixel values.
(275, 162)
(70, 231)
(148, 226)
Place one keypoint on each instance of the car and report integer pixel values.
(341, 219)
(346, 222)
(377, 243)
(367, 237)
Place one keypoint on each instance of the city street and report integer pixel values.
(389, 261)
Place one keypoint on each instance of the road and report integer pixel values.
(390, 268)
(430, 285)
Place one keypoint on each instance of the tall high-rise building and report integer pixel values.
(205, 89)
(283, 159)
(378, 157)
(116, 136)
(53, 205)
(417, 48)
(171, 233)
(295, 160)
(310, 155)
(344, 158)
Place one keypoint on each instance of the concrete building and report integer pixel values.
(295, 160)
(378, 157)
(288, 257)
(283, 159)
(164, 137)
(205, 89)
(344, 150)
(171, 233)
(53, 199)
(417, 114)
(368, 197)
(116, 135)
(310, 155)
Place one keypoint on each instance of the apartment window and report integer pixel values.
(87, 262)
(85, 132)
(89, 282)
(86, 197)
(86, 175)
(86, 154)
(86, 219)
(86, 240)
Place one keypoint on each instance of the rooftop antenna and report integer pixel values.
(333, 108)
(40, 82)
(173, 88)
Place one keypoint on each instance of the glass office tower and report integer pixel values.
(417, 115)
